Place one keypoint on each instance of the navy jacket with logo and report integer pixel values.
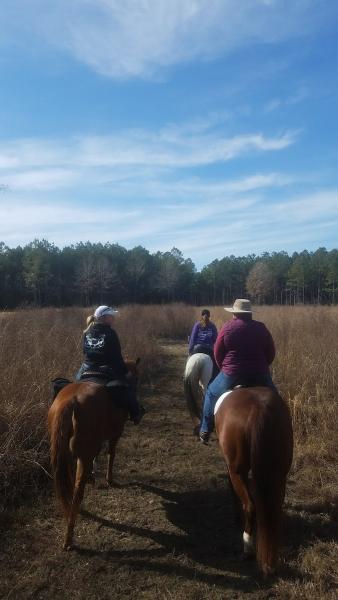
(101, 347)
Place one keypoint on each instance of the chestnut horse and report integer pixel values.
(254, 430)
(82, 416)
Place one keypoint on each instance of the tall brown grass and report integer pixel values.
(38, 345)
(305, 371)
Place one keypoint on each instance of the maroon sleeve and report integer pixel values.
(219, 347)
(269, 346)
(214, 333)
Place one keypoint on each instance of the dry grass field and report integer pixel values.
(165, 530)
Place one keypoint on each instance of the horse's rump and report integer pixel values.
(262, 416)
(271, 436)
(255, 432)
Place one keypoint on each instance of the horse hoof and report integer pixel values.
(268, 571)
(248, 556)
(68, 546)
(91, 478)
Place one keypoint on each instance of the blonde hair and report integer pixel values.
(89, 322)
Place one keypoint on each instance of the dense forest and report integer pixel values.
(40, 274)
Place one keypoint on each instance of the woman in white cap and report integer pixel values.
(102, 353)
(244, 351)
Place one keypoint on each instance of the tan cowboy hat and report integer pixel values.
(241, 305)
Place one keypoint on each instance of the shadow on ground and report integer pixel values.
(207, 536)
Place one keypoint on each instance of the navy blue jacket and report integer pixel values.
(101, 347)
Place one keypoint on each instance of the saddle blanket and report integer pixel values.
(220, 400)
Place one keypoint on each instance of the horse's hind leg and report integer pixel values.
(92, 472)
(82, 470)
(240, 485)
(111, 456)
(236, 505)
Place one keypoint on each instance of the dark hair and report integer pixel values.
(244, 316)
(206, 312)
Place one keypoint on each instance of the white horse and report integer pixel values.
(197, 374)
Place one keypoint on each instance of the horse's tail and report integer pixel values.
(62, 457)
(190, 398)
(269, 475)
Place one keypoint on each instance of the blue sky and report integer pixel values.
(209, 125)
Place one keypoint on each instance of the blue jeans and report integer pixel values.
(223, 383)
(84, 367)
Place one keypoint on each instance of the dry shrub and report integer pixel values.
(305, 370)
(36, 346)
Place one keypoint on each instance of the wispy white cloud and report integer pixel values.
(272, 105)
(137, 38)
(202, 230)
(51, 164)
(300, 94)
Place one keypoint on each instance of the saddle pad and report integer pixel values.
(58, 384)
(220, 400)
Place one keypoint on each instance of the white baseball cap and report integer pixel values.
(103, 311)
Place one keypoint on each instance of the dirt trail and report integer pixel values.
(165, 530)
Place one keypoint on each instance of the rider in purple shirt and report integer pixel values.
(244, 351)
(204, 333)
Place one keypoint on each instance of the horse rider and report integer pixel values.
(203, 337)
(244, 351)
(204, 334)
(102, 353)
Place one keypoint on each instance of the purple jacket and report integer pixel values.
(202, 335)
(244, 347)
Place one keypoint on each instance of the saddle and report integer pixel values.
(102, 378)
(249, 381)
(201, 348)
(96, 377)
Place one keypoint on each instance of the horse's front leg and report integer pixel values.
(111, 456)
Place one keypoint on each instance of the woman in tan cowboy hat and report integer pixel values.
(244, 350)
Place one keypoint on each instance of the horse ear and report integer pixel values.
(138, 360)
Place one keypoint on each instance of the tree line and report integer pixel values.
(41, 274)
